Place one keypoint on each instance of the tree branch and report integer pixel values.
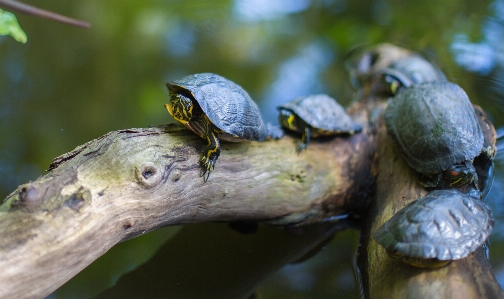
(38, 12)
(129, 182)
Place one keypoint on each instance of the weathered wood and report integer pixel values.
(129, 182)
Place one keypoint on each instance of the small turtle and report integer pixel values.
(315, 116)
(443, 226)
(408, 71)
(437, 129)
(216, 109)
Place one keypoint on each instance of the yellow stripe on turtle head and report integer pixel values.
(290, 120)
(169, 107)
(180, 107)
(394, 86)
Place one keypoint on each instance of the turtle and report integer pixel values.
(364, 62)
(410, 70)
(315, 116)
(430, 232)
(436, 127)
(215, 108)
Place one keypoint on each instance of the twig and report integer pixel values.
(38, 12)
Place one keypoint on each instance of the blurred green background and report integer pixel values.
(67, 85)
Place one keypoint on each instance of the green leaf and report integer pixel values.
(10, 26)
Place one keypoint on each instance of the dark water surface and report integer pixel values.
(67, 86)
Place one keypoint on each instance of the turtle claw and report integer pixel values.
(305, 139)
(203, 172)
(207, 168)
(300, 147)
(208, 161)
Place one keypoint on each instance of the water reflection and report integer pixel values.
(297, 277)
(474, 57)
(298, 76)
(482, 57)
(259, 10)
(328, 271)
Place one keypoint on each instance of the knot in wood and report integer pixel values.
(149, 174)
(29, 197)
(79, 199)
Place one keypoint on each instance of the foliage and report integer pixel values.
(10, 26)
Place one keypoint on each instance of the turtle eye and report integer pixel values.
(454, 173)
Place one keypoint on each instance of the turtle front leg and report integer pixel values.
(305, 139)
(210, 155)
(205, 129)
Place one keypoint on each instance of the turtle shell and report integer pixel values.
(414, 70)
(435, 125)
(227, 105)
(484, 162)
(322, 112)
(489, 133)
(444, 225)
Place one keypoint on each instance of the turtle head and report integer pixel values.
(394, 81)
(287, 119)
(180, 107)
(460, 175)
(393, 84)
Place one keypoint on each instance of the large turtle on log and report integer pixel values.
(438, 132)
